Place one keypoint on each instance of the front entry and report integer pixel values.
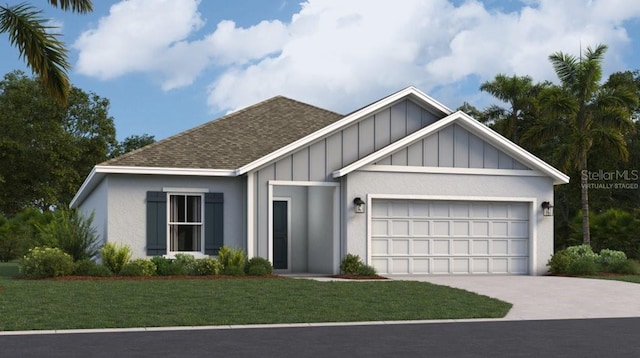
(280, 235)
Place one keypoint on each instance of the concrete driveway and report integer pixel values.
(548, 297)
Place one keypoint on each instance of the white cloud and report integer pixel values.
(335, 53)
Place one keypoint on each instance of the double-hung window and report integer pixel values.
(186, 222)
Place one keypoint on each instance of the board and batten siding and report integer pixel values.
(454, 147)
(318, 160)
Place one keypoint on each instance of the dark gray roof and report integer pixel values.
(234, 140)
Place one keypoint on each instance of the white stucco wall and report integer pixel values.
(425, 185)
(125, 200)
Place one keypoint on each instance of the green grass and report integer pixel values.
(47, 304)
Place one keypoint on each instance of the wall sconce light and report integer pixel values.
(547, 208)
(359, 204)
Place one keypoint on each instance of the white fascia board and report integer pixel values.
(99, 171)
(474, 127)
(411, 92)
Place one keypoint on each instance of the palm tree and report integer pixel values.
(39, 45)
(518, 92)
(581, 115)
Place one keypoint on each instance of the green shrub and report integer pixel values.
(232, 260)
(188, 262)
(232, 271)
(138, 267)
(366, 270)
(626, 267)
(258, 266)
(207, 267)
(115, 256)
(559, 262)
(21, 233)
(91, 268)
(73, 233)
(351, 264)
(42, 262)
(611, 257)
(579, 251)
(583, 266)
(168, 267)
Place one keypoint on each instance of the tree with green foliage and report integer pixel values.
(581, 115)
(132, 143)
(517, 91)
(47, 149)
(39, 44)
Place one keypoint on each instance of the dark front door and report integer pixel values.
(280, 232)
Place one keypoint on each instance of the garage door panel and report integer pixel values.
(461, 247)
(441, 228)
(420, 247)
(461, 266)
(449, 237)
(400, 228)
(380, 228)
(461, 228)
(480, 228)
(481, 247)
(400, 247)
(420, 228)
(440, 247)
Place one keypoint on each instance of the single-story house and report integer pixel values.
(407, 184)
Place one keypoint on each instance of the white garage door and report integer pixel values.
(449, 237)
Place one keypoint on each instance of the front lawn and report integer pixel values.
(48, 304)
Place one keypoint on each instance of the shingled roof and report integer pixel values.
(234, 140)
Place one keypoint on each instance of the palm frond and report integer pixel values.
(566, 68)
(42, 49)
(79, 6)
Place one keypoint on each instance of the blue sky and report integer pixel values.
(170, 65)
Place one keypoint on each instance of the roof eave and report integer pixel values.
(100, 171)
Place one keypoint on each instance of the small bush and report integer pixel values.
(138, 267)
(188, 262)
(258, 266)
(579, 251)
(207, 266)
(351, 264)
(583, 266)
(168, 267)
(608, 258)
(626, 267)
(559, 262)
(115, 256)
(73, 233)
(366, 270)
(91, 268)
(41, 262)
(232, 260)
(233, 271)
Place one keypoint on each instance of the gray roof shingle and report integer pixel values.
(234, 140)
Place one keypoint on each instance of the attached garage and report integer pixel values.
(450, 237)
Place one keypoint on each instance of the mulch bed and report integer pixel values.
(152, 278)
(359, 277)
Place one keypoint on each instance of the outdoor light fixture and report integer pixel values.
(547, 208)
(359, 204)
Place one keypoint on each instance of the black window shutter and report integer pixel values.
(213, 222)
(156, 223)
